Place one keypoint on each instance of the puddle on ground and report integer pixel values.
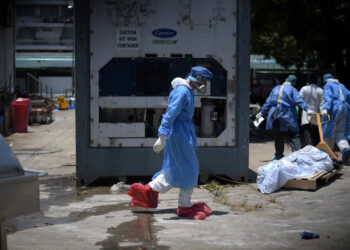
(88, 192)
(64, 190)
(98, 210)
(136, 234)
(61, 191)
(40, 220)
(139, 233)
(52, 183)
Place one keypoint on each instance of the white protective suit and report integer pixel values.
(313, 96)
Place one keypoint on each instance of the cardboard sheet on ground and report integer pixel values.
(304, 162)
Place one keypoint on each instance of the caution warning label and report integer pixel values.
(127, 38)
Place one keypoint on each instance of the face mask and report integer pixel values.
(201, 89)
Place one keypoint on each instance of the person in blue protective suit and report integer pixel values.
(177, 137)
(282, 115)
(336, 104)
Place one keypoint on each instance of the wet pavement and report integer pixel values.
(95, 218)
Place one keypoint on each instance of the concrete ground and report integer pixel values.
(94, 218)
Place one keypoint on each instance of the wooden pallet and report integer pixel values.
(310, 182)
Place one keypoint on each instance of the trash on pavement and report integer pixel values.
(309, 235)
(120, 187)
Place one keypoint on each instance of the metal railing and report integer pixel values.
(37, 87)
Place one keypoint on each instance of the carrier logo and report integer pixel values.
(164, 33)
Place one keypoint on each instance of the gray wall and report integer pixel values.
(57, 83)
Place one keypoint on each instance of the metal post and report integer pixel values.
(242, 83)
(46, 91)
(3, 235)
(41, 89)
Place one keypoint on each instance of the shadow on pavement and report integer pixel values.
(173, 211)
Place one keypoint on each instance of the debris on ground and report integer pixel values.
(309, 235)
(120, 188)
(43, 224)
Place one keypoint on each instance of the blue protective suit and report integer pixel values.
(285, 111)
(181, 143)
(334, 103)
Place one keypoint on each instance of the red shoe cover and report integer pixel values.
(190, 212)
(202, 207)
(143, 196)
(136, 203)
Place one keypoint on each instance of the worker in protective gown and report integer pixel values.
(282, 116)
(336, 104)
(177, 137)
(313, 96)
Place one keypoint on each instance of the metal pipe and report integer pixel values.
(38, 86)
